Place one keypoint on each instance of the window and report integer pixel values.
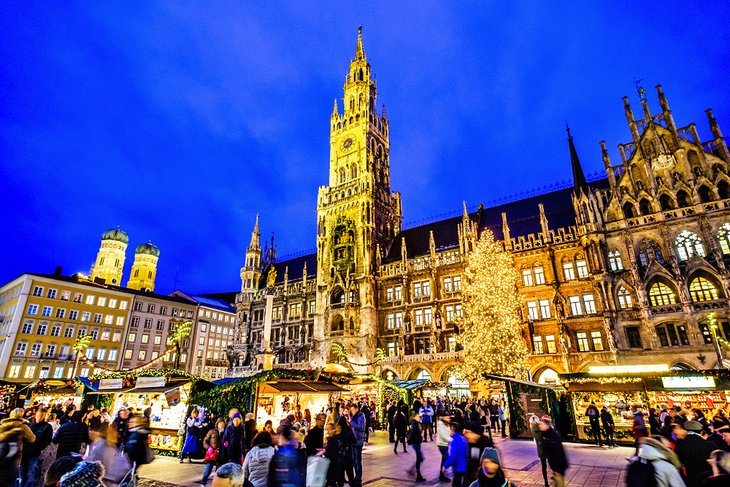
(138, 306)
(135, 321)
(58, 372)
(14, 371)
(94, 334)
(163, 310)
(90, 299)
(624, 298)
(35, 350)
(660, 294)
(537, 344)
(532, 310)
(112, 355)
(203, 327)
(582, 340)
(117, 336)
(312, 307)
(597, 341)
(539, 275)
(575, 308)
(28, 327)
(527, 277)
(78, 297)
(105, 335)
(582, 268)
(545, 309)
(142, 355)
(56, 331)
(50, 350)
(97, 317)
(21, 348)
(723, 238)
(145, 338)
(69, 333)
(29, 371)
(157, 340)
(43, 374)
(160, 325)
(108, 319)
(421, 289)
(390, 321)
(60, 313)
(112, 303)
(128, 354)
(392, 349)
(688, 244)
(452, 284)
(568, 271)
(33, 309)
(89, 352)
(82, 332)
(123, 304)
(295, 310)
(649, 250)
(276, 313)
(42, 329)
(38, 291)
(65, 295)
(85, 315)
(398, 319)
(148, 323)
(589, 304)
(47, 311)
(101, 301)
(101, 354)
(550, 344)
(701, 289)
(132, 337)
(52, 293)
(672, 335)
(150, 308)
(73, 315)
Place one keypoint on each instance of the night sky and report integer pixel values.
(179, 121)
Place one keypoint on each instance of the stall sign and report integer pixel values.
(151, 382)
(688, 382)
(110, 384)
(627, 369)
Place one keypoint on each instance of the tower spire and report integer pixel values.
(359, 51)
(255, 236)
(579, 178)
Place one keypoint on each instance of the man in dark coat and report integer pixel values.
(608, 426)
(314, 440)
(70, 436)
(232, 441)
(594, 419)
(552, 445)
(32, 451)
(392, 410)
(121, 424)
(693, 452)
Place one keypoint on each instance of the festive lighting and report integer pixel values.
(491, 328)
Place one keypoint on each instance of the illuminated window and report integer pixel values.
(700, 289)
(614, 260)
(723, 238)
(142, 355)
(568, 271)
(527, 277)
(582, 268)
(649, 251)
(575, 307)
(550, 344)
(671, 335)
(582, 339)
(597, 341)
(532, 310)
(688, 244)
(539, 275)
(132, 337)
(14, 371)
(145, 338)
(660, 294)
(589, 304)
(128, 354)
(101, 301)
(392, 349)
(624, 298)
(537, 344)
(545, 308)
(422, 289)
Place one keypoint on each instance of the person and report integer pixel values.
(458, 457)
(552, 445)
(269, 427)
(494, 415)
(365, 410)
(212, 441)
(60, 467)
(71, 436)
(502, 420)
(249, 431)
(664, 461)
(694, 451)
(121, 424)
(232, 440)
(29, 467)
(426, 413)
(490, 471)
(287, 467)
(14, 433)
(84, 474)
(443, 438)
(103, 449)
(654, 423)
(193, 424)
(400, 423)
(537, 435)
(137, 446)
(358, 425)
(256, 463)
(720, 463)
(314, 441)
(390, 417)
(228, 475)
(594, 417)
(415, 439)
(639, 426)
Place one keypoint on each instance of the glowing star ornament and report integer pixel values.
(491, 327)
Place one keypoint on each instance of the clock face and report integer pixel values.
(347, 143)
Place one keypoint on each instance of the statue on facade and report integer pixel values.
(271, 277)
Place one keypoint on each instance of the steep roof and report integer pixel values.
(296, 268)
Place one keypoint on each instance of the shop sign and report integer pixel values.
(150, 382)
(627, 369)
(110, 384)
(688, 382)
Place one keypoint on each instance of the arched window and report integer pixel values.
(624, 298)
(649, 250)
(723, 190)
(687, 244)
(645, 207)
(665, 202)
(701, 289)
(629, 210)
(661, 294)
(683, 200)
(338, 324)
(723, 238)
(705, 194)
(338, 297)
(671, 335)
(614, 260)
(692, 158)
(423, 375)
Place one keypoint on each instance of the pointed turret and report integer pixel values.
(544, 223)
(579, 179)
(335, 111)
(255, 243)
(717, 134)
(431, 245)
(505, 231)
(607, 164)
(630, 118)
(359, 51)
(666, 112)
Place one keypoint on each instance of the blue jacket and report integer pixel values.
(458, 453)
(357, 423)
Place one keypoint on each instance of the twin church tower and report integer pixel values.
(109, 265)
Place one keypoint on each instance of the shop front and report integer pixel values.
(47, 391)
(278, 398)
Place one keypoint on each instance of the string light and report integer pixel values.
(491, 328)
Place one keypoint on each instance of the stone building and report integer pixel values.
(619, 270)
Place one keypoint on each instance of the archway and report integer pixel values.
(547, 376)
(389, 375)
(457, 387)
(420, 374)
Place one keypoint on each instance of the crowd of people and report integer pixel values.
(55, 444)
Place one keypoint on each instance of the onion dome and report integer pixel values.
(148, 248)
(116, 234)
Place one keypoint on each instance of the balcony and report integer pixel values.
(666, 308)
(708, 305)
(423, 357)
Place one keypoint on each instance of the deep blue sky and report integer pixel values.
(178, 121)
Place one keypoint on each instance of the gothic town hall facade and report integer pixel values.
(620, 270)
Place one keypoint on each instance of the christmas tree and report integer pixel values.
(490, 330)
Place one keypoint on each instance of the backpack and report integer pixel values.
(640, 473)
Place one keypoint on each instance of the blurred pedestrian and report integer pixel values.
(258, 458)
(212, 446)
(14, 433)
(228, 475)
(694, 451)
(192, 430)
(70, 436)
(415, 439)
(232, 441)
(31, 467)
(537, 435)
(552, 445)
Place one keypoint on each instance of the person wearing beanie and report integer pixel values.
(693, 451)
(232, 440)
(85, 474)
(490, 471)
(552, 446)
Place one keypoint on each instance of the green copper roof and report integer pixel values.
(116, 234)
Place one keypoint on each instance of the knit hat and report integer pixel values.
(693, 426)
(86, 474)
(236, 415)
(491, 454)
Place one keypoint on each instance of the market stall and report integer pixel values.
(47, 391)
(278, 398)
(8, 394)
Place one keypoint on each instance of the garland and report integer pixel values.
(341, 354)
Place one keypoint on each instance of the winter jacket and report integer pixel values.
(137, 446)
(357, 423)
(693, 452)
(401, 424)
(256, 465)
(212, 439)
(232, 444)
(444, 433)
(14, 430)
(607, 420)
(664, 460)
(69, 438)
(288, 467)
(332, 452)
(426, 412)
(537, 435)
(458, 454)
(314, 440)
(249, 433)
(43, 435)
(552, 445)
(415, 435)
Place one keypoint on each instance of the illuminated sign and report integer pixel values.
(688, 382)
(627, 369)
(150, 382)
(110, 384)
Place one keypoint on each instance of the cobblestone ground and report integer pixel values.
(591, 466)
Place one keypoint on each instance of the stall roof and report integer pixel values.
(523, 382)
(173, 384)
(225, 380)
(300, 386)
(411, 384)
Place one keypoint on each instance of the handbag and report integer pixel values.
(211, 455)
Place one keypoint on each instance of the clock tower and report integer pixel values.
(357, 217)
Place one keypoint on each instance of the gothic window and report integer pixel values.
(649, 250)
(629, 210)
(705, 194)
(701, 289)
(338, 324)
(683, 200)
(645, 207)
(723, 238)
(688, 244)
(614, 260)
(671, 335)
(624, 298)
(723, 190)
(665, 202)
(692, 158)
(660, 294)
(338, 297)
